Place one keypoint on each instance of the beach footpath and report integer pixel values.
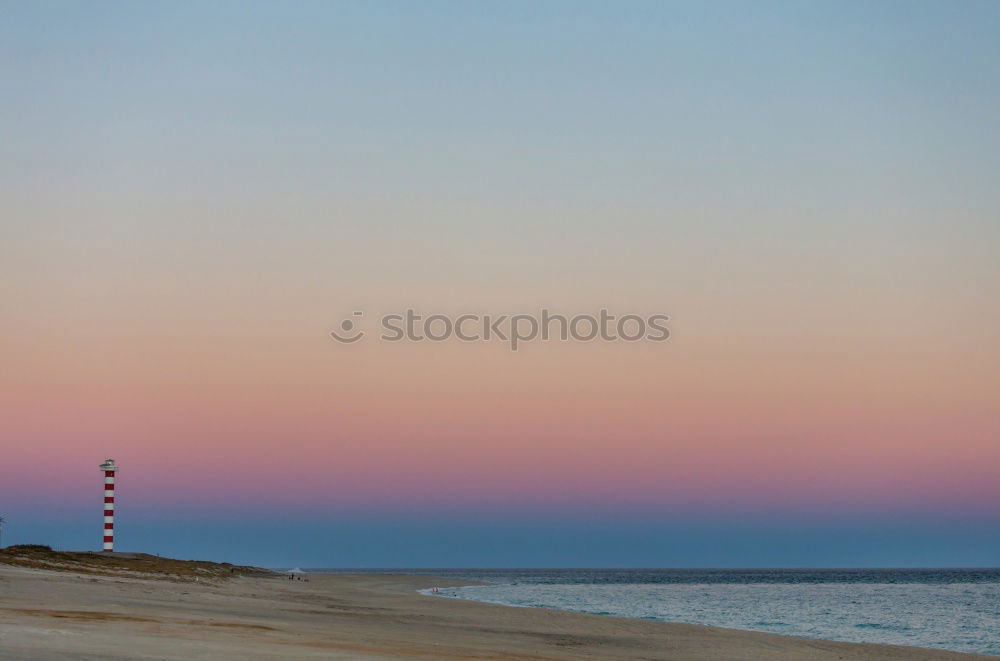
(88, 606)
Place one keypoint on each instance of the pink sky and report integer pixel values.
(191, 201)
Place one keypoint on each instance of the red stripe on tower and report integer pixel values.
(109, 468)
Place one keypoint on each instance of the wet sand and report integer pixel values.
(61, 615)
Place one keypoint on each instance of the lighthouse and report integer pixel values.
(109, 469)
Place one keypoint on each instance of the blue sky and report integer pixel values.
(192, 193)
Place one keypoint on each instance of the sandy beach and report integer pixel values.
(65, 615)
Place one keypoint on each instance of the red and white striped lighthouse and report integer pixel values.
(109, 469)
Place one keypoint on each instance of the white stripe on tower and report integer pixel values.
(109, 469)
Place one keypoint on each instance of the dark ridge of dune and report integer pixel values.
(38, 556)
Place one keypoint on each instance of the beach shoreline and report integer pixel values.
(47, 614)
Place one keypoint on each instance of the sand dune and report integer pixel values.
(46, 614)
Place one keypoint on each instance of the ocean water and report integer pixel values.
(955, 609)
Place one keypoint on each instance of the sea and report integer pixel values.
(953, 609)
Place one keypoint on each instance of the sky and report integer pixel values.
(193, 195)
